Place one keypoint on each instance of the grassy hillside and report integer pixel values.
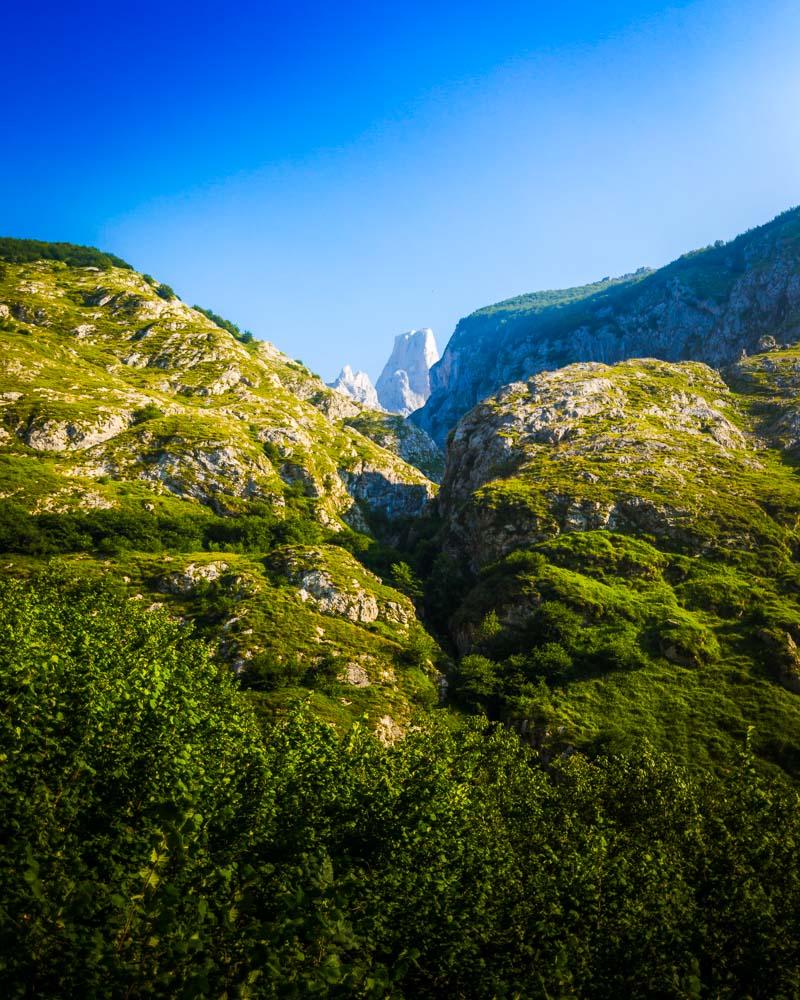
(632, 534)
(220, 775)
(142, 440)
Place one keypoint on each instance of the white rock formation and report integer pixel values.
(356, 385)
(404, 384)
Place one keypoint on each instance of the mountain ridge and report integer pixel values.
(708, 305)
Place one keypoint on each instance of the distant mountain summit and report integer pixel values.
(358, 386)
(404, 384)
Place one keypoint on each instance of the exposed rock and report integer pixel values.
(385, 491)
(171, 412)
(388, 731)
(335, 405)
(354, 674)
(356, 385)
(589, 447)
(47, 434)
(394, 612)
(708, 306)
(317, 586)
(322, 581)
(25, 313)
(767, 343)
(398, 435)
(784, 658)
(404, 384)
(194, 574)
(224, 383)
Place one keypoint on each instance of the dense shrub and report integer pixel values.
(155, 843)
(150, 411)
(244, 336)
(110, 531)
(23, 251)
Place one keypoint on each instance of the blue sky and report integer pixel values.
(331, 174)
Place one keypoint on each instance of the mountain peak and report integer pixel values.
(357, 385)
(404, 384)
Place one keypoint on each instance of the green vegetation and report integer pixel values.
(139, 442)
(26, 251)
(148, 412)
(110, 531)
(228, 768)
(244, 336)
(396, 434)
(709, 272)
(158, 843)
(707, 305)
(611, 641)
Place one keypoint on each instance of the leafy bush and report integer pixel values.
(126, 753)
(117, 530)
(25, 251)
(406, 580)
(148, 412)
(156, 843)
(244, 336)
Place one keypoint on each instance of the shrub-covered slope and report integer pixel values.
(709, 305)
(158, 843)
(632, 536)
(140, 437)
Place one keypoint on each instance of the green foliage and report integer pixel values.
(166, 292)
(631, 642)
(117, 530)
(26, 251)
(128, 761)
(149, 412)
(243, 336)
(406, 580)
(156, 843)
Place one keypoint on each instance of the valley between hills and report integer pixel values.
(403, 703)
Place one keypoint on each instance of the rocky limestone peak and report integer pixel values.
(404, 384)
(358, 386)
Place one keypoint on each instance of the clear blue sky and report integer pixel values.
(330, 174)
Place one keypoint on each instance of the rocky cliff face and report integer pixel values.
(357, 386)
(710, 305)
(620, 448)
(404, 383)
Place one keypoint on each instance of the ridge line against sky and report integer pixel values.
(329, 176)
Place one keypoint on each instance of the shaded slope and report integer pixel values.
(709, 305)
